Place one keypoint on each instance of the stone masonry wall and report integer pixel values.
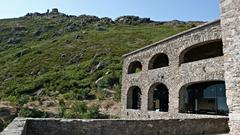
(174, 76)
(230, 22)
(16, 127)
(121, 127)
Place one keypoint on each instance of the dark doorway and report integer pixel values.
(134, 98)
(158, 98)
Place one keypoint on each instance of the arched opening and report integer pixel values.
(134, 98)
(158, 61)
(202, 51)
(204, 98)
(134, 67)
(158, 98)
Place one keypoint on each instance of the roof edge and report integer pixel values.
(171, 37)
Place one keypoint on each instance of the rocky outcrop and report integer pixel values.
(87, 19)
(54, 13)
(132, 20)
(106, 20)
(84, 20)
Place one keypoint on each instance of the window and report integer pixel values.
(134, 67)
(158, 98)
(159, 61)
(134, 98)
(204, 98)
(203, 51)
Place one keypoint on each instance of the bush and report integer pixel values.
(62, 108)
(70, 96)
(100, 94)
(117, 94)
(79, 110)
(108, 81)
(83, 94)
(77, 94)
(12, 99)
(93, 112)
(23, 100)
(32, 113)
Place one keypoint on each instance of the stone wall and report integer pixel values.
(120, 127)
(16, 127)
(230, 20)
(174, 76)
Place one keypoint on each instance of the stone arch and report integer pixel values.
(205, 97)
(158, 61)
(201, 51)
(158, 97)
(134, 67)
(134, 97)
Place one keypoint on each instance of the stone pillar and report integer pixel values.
(230, 23)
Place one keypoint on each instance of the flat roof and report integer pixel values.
(171, 37)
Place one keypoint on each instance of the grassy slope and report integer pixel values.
(61, 66)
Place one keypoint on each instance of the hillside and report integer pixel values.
(56, 65)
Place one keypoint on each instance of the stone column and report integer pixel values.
(230, 22)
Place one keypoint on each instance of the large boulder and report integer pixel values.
(54, 11)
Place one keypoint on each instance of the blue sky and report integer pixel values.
(203, 10)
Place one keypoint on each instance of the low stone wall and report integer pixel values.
(16, 127)
(118, 127)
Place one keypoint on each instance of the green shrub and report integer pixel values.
(23, 100)
(12, 99)
(117, 94)
(100, 94)
(108, 81)
(93, 112)
(70, 96)
(32, 113)
(84, 93)
(79, 110)
(62, 107)
(80, 107)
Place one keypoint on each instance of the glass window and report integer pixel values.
(205, 98)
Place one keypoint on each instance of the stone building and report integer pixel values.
(187, 75)
(165, 78)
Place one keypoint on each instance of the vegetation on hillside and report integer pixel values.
(72, 61)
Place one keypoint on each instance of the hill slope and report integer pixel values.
(51, 62)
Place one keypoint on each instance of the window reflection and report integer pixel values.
(206, 98)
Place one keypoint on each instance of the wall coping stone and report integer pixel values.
(16, 127)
